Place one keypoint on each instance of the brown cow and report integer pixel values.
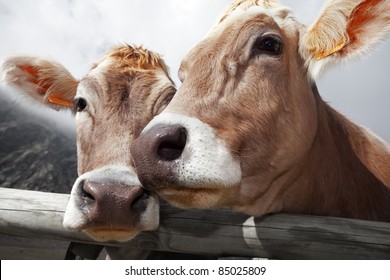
(112, 104)
(248, 130)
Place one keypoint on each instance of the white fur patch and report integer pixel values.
(103, 64)
(240, 13)
(206, 160)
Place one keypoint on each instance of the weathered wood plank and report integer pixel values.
(219, 233)
(26, 248)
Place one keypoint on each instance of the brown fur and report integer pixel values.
(337, 176)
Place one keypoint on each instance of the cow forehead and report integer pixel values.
(233, 24)
(94, 83)
(245, 4)
(244, 12)
(250, 9)
(111, 79)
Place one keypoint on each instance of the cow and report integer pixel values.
(112, 104)
(247, 129)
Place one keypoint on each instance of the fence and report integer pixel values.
(31, 228)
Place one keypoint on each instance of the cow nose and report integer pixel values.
(170, 142)
(155, 152)
(116, 204)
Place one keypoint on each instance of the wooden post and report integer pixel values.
(33, 220)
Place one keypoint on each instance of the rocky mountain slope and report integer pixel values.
(34, 154)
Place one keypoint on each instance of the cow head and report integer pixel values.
(245, 116)
(112, 104)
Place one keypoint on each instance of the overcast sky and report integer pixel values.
(77, 33)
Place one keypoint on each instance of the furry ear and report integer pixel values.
(346, 29)
(46, 81)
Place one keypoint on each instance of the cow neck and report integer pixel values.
(334, 179)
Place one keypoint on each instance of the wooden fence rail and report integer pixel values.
(31, 227)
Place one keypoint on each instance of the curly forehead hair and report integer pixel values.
(136, 58)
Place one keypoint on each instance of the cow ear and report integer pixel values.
(346, 29)
(45, 81)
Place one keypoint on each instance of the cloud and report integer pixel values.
(77, 33)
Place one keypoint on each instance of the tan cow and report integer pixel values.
(248, 130)
(112, 104)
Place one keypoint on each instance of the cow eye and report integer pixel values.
(270, 44)
(81, 103)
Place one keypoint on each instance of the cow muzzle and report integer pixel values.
(111, 205)
(180, 158)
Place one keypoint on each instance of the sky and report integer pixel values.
(78, 33)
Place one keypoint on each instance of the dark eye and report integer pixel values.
(270, 45)
(81, 103)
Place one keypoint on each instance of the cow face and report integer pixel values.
(245, 107)
(241, 127)
(112, 104)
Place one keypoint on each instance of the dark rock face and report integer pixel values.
(34, 154)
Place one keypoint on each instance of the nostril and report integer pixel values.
(169, 151)
(172, 144)
(86, 193)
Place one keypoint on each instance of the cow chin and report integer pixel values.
(147, 220)
(200, 198)
(111, 234)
